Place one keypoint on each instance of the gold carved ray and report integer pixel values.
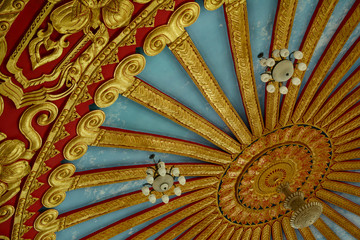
(347, 156)
(346, 165)
(239, 37)
(347, 122)
(219, 231)
(281, 37)
(226, 235)
(341, 187)
(347, 137)
(277, 231)
(288, 230)
(306, 233)
(325, 230)
(322, 16)
(198, 227)
(338, 201)
(344, 176)
(266, 232)
(325, 63)
(206, 233)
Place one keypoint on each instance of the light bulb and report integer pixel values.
(265, 77)
(284, 52)
(302, 66)
(165, 198)
(270, 62)
(177, 191)
(161, 165)
(150, 179)
(276, 53)
(175, 172)
(182, 180)
(263, 62)
(162, 171)
(283, 90)
(145, 190)
(152, 198)
(298, 55)
(150, 171)
(296, 81)
(270, 88)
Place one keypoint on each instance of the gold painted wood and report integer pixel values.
(348, 146)
(325, 230)
(206, 233)
(237, 234)
(344, 124)
(266, 232)
(219, 231)
(346, 165)
(334, 104)
(308, 47)
(288, 230)
(198, 228)
(338, 201)
(347, 137)
(277, 231)
(256, 234)
(191, 221)
(340, 220)
(306, 233)
(324, 65)
(239, 36)
(147, 142)
(281, 36)
(341, 187)
(227, 233)
(173, 218)
(247, 234)
(344, 176)
(162, 209)
(338, 74)
(168, 107)
(339, 157)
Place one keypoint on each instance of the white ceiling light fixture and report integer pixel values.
(280, 68)
(160, 179)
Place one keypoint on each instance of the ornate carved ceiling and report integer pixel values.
(66, 64)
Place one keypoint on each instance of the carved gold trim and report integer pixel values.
(199, 227)
(209, 229)
(325, 64)
(347, 137)
(46, 224)
(219, 231)
(146, 142)
(338, 201)
(341, 187)
(239, 36)
(266, 232)
(238, 233)
(344, 124)
(316, 29)
(247, 234)
(348, 146)
(277, 231)
(6, 212)
(288, 230)
(346, 165)
(344, 176)
(226, 235)
(347, 156)
(306, 233)
(325, 230)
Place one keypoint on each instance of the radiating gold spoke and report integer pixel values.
(346, 123)
(321, 17)
(219, 231)
(339, 157)
(209, 230)
(344, 176)
(196, 229)
(237, 234)
(247, 234)
(256, 234)
(347, 137)
(325, 230)
(348, 146)
(306, 233)
(338, 201)
(288, 230)
(346, 165)
(341, 187)
(277, 231)
(226, 235)
(266, 233)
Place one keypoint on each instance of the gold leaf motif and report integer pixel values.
(123, 79)
(10, 151)
(14, 172)
(212, 5)
(117, 13)
(6, 212)
(43, 38)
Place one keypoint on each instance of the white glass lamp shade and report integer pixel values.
(150, 179)
(270, 88)
(263, 62)
(177, 191)
(182, 180)
(283, 90)
(298, 55)
(145, 190)
(161, 165)
(276, 53)
(296, 81)
(175, 172)
(265, 77)
(270, 62)
(162, 171)
(152, 198)
(150, 171)
(302, 66)
(165, 198)
(284, 53)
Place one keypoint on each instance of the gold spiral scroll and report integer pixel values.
(88, 132)
(6, 212)
(47, 224)
(123, 80)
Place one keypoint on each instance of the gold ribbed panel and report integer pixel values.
(341, 187)
(256, 234)
(325, 230)
(168, 107)
(340, 220)
(239, 36)
(191, 221)
(195, 230)
(227, 233)
(176, 217)
(347, 137)
(346, 165)
(247, 234)
(331, 83)
(237, 234)
(191, 60)
(334, 105)
(344, 176)
(147, 142)
(325, 9)
(348, 146)
(209, 230)
(219, 231)
(338, 125)
(288, 230)
(338, 201)
(178, 202)
(347, 156)
(324, 65)
(281, 35)
(306, 233)
(276, 231)
(266, 232)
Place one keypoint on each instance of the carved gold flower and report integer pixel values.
(79, 14)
